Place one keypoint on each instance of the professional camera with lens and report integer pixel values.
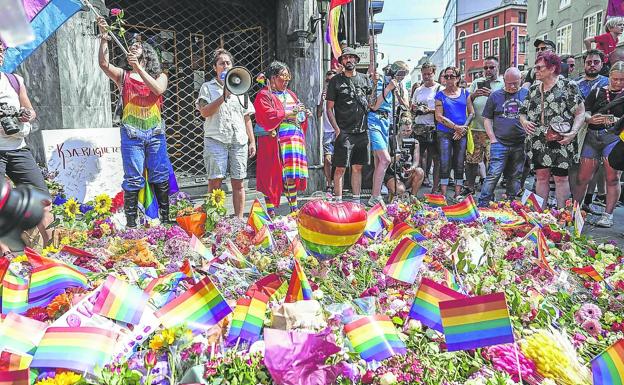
(21, 208)
(8, 119)
(420, 109)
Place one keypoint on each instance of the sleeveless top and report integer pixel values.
(142, 108)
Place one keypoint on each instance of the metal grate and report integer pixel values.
(185, 33)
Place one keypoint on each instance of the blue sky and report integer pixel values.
(408, 39)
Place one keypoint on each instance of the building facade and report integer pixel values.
(500, 32)
(565, 22)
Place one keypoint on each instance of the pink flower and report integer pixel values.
(592, 327)
(588, 311)
(503, 358)
(115, 12)
(578, 339)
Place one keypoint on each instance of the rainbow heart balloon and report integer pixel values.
(327, 229)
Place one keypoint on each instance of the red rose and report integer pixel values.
(115, 12)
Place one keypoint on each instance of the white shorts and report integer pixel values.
(218, 156)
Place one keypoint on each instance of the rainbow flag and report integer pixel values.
(14, 294)
(374, 338)
(36, 259)
(121, 301)
(588, 272)
(16, 377)
(528, 219)
(264, 238)
(248, 318)
(48, 281)
(376, 221)
(269, 285)
(476, 322)
(449, 280)
(200, 307)
(436, 200)
(331, 36)
(296, 248)
(77, 348)
(198, 247)
(299, 288)
(234, 253)
(162, 289)
(4, 266)
(186, 268)
(21, 334)
(608, 367)
(12, 361)
(404, 230)
(405, 261)
(426, 304)
(535, 200)
(258, 217)
(147, 200)
(465, 211)
(541, 249)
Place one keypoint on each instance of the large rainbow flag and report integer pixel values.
(376, 221)
(426, 307)
(435, 200)
(375, 338)
(465, 211)
(121, 301)
(608, 367)
(476, 322)
(405, 261)
(299, 288)
(48, 281)
(258, 217)
(248, 318)
(333, 22)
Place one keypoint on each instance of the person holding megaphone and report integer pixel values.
(228, 133)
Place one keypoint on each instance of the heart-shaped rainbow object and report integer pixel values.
(327, 229)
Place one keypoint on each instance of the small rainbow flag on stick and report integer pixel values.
(50, 280)
(465, 211)
(299, 288)
(405, 261)
(404, 230)
(201, 307)
(162, 289)
(435, 200)
(588, 272)
(476, 322)
(21, 334)
(16, 377)
(198, 247)
(12, 361)
(426, 304)
(608, 367)
(121, 301)
(269, 285)
(297, 250)
(77, 348)
(374, 338)
(376, 221)
(234, 253)
(535, 200)
(541, 249)
(264, 238)
(14, 294)
(258, 217)
(248, 318)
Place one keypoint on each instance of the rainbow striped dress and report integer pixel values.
(291, 143)
(142, 108)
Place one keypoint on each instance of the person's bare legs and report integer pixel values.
(562, 190)
(356, 181)
(587, 168)
(338, 181)
(238, 197)
(614, 189)
(327, 164)
(542, 184)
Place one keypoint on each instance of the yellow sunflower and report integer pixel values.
(103, 204)
(65, 378)
(72, 207)
(217, 198)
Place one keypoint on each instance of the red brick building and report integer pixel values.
(500, 32)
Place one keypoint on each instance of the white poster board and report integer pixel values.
(88, 161)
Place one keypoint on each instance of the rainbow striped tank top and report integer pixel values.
(142, 108)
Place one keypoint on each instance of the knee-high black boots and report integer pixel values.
(161, 191)
(131, 201)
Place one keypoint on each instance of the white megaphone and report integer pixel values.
(238, 80)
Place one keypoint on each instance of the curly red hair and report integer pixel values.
(551, 60)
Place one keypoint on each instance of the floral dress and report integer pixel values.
(560, 103)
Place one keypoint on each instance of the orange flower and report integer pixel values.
(59, 305)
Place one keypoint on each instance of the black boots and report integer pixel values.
(131, 201)
(161, 191)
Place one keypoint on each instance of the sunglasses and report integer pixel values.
(594, 62)
(485, 68)
(539, 49)
(450, 77)
(539, 67)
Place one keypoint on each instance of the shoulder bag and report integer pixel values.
(554, 131)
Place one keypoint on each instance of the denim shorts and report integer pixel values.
(218, 156)
(378, 131)
(328, 142)
(598, 144)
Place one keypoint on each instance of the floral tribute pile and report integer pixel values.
(426, 295)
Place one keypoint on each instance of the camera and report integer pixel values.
(420, 109)
(8, 119)
(21, 208)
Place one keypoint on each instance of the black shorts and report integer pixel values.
(555, 171)
(350, 149)
(20, 166)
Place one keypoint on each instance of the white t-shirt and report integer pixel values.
(325, 123)
(9, 96)
(426, 95)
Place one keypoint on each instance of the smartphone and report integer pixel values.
(483, 85)
(610, 119)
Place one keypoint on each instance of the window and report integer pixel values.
(495, 47)
(475, 26)
(475, 51)
(462, 41)
(486, 48)
(495, 21)
(564, 39)
(486, 24)
(564, 3)
(522, 17)
(542, 9)
(521, 44)
(462, 65)
(591, 25)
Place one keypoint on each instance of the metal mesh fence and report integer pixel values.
(185, 33)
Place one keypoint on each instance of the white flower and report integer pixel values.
(414, 325)
(388, 378)
(318, 294)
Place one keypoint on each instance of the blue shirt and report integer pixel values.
(585, 86)
(503, 109)
(454, 109)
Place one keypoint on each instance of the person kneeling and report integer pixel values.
(409, 176)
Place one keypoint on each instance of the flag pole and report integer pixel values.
(88, 4)
(516, 349)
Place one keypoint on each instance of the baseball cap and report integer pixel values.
(545, 41)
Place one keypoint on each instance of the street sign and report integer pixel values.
(363, 52)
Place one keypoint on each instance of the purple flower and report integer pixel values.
(592, 327)
(450, 232)
(59, 200)
(84, 208)
(586, 312)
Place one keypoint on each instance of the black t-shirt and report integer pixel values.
(349, 95)
(597, 99)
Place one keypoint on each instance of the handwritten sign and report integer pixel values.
(88, 161)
